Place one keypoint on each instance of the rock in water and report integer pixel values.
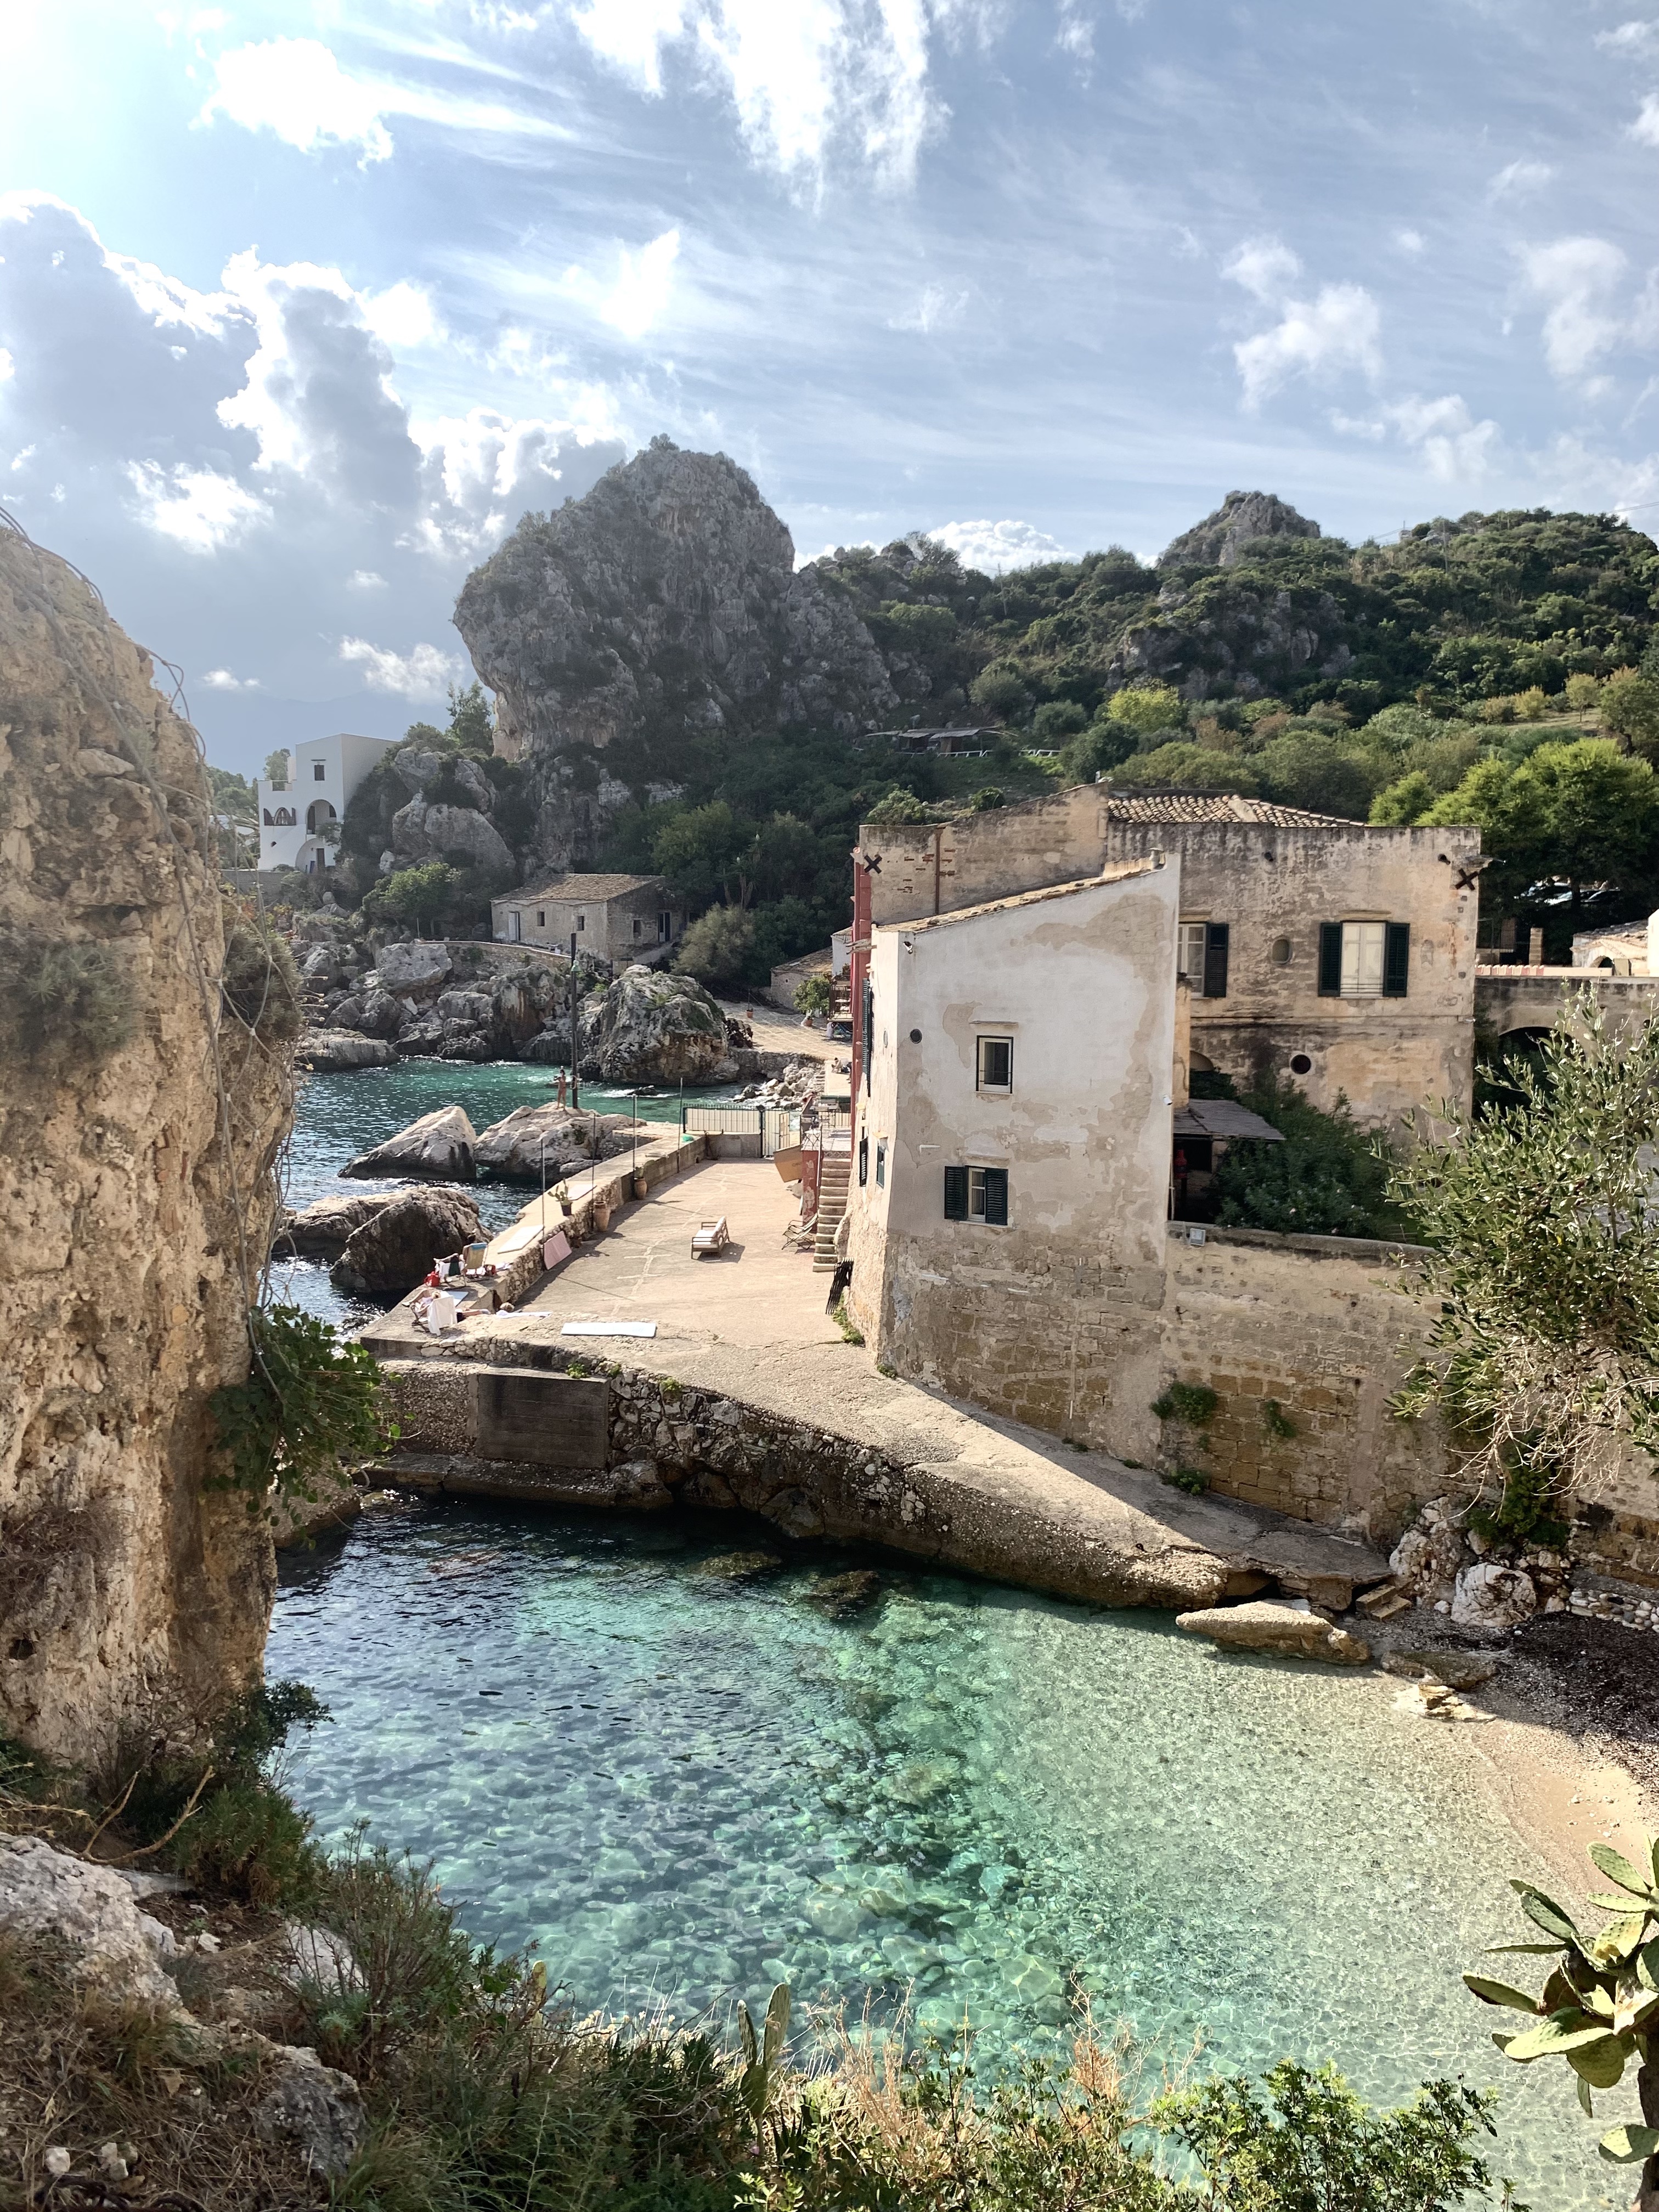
(322, 1231)
(655, 1028)
(91, 1908)
(441, 1148)
(1241, 520)
(662, 607)
(333, 1052)
(1264, 1624)
(390, 1253)
(126, 1582)
(514, 1150)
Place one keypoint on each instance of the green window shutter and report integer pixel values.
(1330, 960)
(996, 1198)
(1215, 960)
(1396, 958)
(956, 1194)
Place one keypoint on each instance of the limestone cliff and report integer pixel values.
(1243, 519)
(147, 1088)
(626, 631)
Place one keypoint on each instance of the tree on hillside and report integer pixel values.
(1545, 1354)
(698, 852)
(417, 899)
(1578, 815)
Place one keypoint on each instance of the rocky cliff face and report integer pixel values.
(623, 631)
(1242, 521)
(139, 1121)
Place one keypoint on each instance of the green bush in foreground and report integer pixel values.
(310, 1405)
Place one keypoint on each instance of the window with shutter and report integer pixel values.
(1189, 953)
(1215, 960)
(996, 1063)
(881, 1163)
(1396, 958)
(996, 1197)
(864, 1159)
(869, 1026)
(956, 1194)
(1330, 959)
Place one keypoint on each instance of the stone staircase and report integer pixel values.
(834, 1175)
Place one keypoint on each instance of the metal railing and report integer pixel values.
(777, 1126)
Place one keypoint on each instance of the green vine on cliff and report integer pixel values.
(310, 1406)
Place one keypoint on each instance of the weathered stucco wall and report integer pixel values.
(1273, 887)
(1511, 998)
(1081, 982)
(939, 869)
(126, 1592)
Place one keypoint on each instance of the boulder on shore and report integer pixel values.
(412, 967)
(323, 1230)
(1269, 1625)
(511, 1150)
(654, 1028)
(332, 1052)
(395, 1249)
(1493, 1599)
(441, 1148)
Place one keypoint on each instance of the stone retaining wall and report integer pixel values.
(670, 1443)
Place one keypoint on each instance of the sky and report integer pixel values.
(302, 306)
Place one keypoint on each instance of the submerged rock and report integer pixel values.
(1264, 1624)
(395, 1249)
(739, 1566)
(841, 1596)
(323, 1230)
(332, 1052)
(441, 1148)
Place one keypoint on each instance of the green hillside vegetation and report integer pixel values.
(1501, 670)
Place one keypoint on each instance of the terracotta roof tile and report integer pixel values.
(1216, 806)
(597, 888)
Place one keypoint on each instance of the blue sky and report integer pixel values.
(300, 307)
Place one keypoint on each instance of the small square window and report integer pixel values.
(581, 921)
(881, 1163)
(987, 1195)
(639, 926)
(541, 917)
(319, 771)
(996, 1063)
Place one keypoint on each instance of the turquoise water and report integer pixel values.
(683, 1787)
(338, 1116)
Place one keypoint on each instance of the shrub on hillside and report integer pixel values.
(716, 948)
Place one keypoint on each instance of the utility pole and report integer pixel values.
(575, 1095)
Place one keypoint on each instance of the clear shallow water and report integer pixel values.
(681, 1787)
(338, 1116)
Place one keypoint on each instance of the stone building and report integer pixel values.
(299, 819)
(616, 918)
(1336, 955)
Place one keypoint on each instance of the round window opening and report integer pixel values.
(1281, 952)
(915, 1036)
(1300, 1064)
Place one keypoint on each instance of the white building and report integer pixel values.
(1011, 1168)
(322, 775)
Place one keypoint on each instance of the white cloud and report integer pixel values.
(1411, 241)
(630, 35)
(366, 579)
(1075, 32)
(297, 87)
(1576, 278)
(1457, 449)
(639, 298)
(1357, 426)
(1264, 266)
(941, 307)
(403, 315)
(995, 546)
(199, 508)
(1646, 125)
(221, 679)
(1519, 179)
(1338, 330)
(804, 77)
(7, 366)
(424, 672)
(1630, 39)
